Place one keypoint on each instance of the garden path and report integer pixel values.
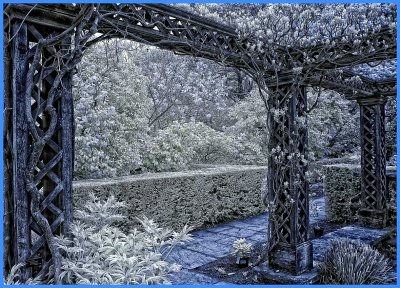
(212, 243)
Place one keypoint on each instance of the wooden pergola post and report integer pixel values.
(374, 210)
(52, 176)
(289, 245)
(19, 130)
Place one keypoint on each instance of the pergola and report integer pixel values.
(44, 43)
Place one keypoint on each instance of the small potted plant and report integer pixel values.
(241, 251)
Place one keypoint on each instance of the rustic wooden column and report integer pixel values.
(21, 238)
(289, 245)
(52, 176)
(373, 162)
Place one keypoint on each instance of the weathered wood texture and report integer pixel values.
(21, 217)
(7, 158)
(52, 177)
(289, 246)
(373, 162)
(178, 30)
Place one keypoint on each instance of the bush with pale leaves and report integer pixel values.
(97, 252)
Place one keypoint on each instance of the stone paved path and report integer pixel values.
(212, 243)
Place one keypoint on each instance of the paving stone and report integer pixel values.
(244, 224)
(188, 277)
(212, 243)
(188, 259)
(321, 215)
(210, 236)
(239, 233)
(204, 234)
(282, 277)
(367, 235)
(320, 246)
(228, 240)
(217, 249)
(258, 238)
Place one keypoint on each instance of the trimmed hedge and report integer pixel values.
(199, 198)
(342, 186)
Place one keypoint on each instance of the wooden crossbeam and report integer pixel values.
(222, 41)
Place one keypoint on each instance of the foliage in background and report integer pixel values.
(132, 100)
(98, 252)
(333, 125)
(183, 88)
(111, 108)
(250, 129)
(170, 113)
(182, 144)
(352, 262)
(300, 24)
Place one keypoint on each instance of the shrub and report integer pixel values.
(111, 119)
(342, 187)
(352, 262)
(181, 144)
(250, 131)
(97, 252)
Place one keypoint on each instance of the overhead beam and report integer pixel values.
(207, 38)
(345, 83)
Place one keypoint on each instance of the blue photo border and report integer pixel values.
(194, 1)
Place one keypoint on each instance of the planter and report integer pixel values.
(318, 231)
(242, 262)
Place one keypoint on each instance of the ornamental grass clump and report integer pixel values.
(352, 262)
(96, 252)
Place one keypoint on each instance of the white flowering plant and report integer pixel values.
(98, 252)
(241, 248)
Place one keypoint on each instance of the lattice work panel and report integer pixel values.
(288, 187)
(301, 166)
(381, 146)
(373, 156)
(279, 171)
(46, 169)
(177, 27)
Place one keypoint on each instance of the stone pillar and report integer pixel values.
(373, 162)
(289, 245)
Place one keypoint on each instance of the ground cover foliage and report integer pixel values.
(97, 251)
